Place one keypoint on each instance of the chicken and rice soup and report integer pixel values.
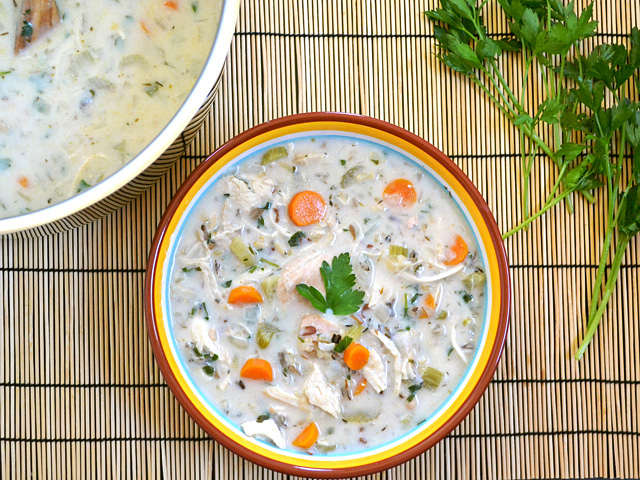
(327, 295)
(78, 104)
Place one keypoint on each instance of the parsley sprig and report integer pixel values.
(339, 281)
(588, 108)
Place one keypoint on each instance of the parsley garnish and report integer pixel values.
(587, 122)
(339, 281)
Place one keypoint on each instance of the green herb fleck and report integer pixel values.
(227, 284)
(342, 345)
(264, 417)
(295, 239)
(209, 370)
(187, 270)
(275, 265)
(82, 186)
(27, 30)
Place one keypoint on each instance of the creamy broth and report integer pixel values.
(77, 105)
(419, 318)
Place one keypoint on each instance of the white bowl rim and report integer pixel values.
(211, 71)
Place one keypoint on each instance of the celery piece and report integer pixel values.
(398, 250)
(274, 154)
(359, 417)
(474, 280)
(349, 177)
(265, 333)
(355, 332)
(269, 286)
(432, 377)
(242, 252)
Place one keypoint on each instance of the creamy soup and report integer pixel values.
(77, 105)
(327, 295)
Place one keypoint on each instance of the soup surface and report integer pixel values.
(327, 295)
(77, 105)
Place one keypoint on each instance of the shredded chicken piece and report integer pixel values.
(240, 195)
(433, 278)
(319, 325)
(375, 372)
(397, 360)
(263, 187)
(304, 158)
(271, 217)
(267, 428)
(205, 338)
(408, 344)
(381, 295)
(199, 256)
(320, 393)
(225, 381)
(304, 269)
(314, 329)
(290, 398)
(456, 347)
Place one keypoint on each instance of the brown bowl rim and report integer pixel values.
(468, 403)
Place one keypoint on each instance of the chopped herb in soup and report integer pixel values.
(78, 104)
(327, 295)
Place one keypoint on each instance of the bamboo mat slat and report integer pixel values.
(81, 396)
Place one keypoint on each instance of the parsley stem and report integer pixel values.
(621, 248)
(606, 246)
(538, 214)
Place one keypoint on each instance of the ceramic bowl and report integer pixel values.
(151, 163)
(492, 329)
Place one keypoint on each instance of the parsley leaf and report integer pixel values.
(339, 281)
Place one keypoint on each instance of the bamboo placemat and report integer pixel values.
(81, 396)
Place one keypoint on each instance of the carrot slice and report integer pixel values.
(429, 306)
(401, 193)
(307, 437)
(257, 369)
(24, 182)
(306, 208)
(457, 252)
(360, 387)
(245, 294)
(171, 5)
(356, 356)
